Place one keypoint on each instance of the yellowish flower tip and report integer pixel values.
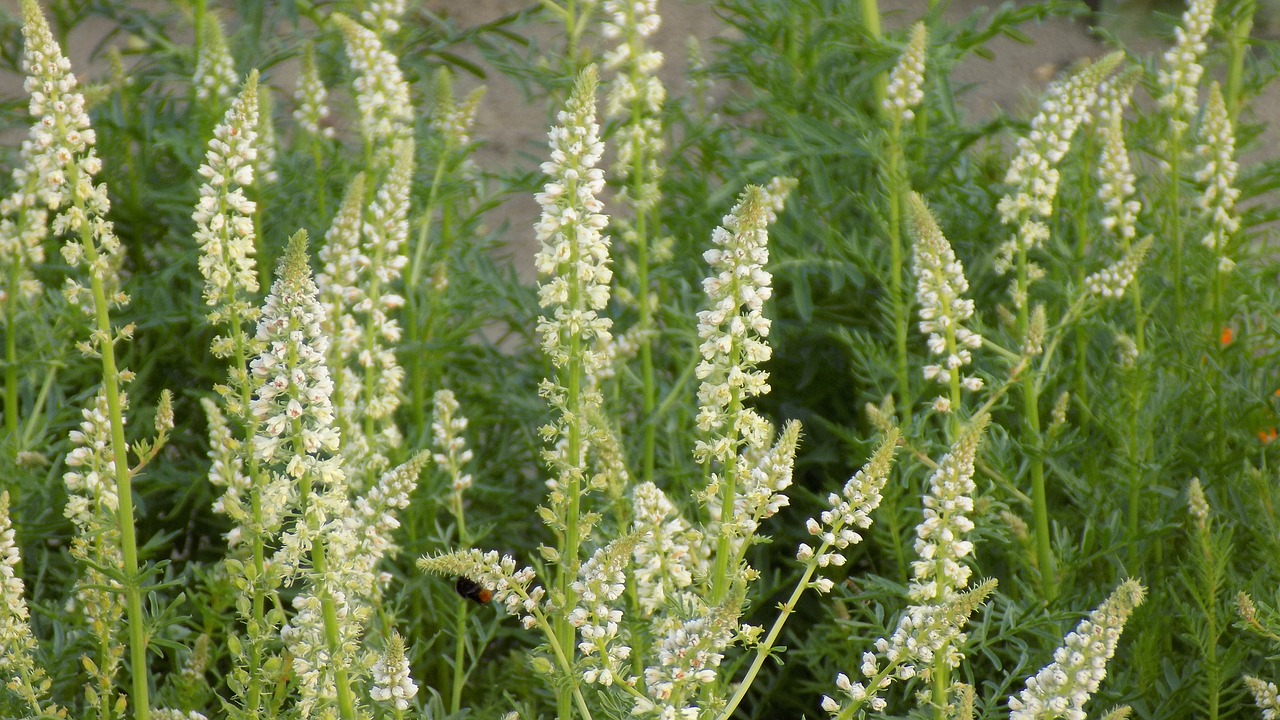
(251, 85)
(585, 86)
(922, 219)
(1119, 713)
(295, 264)
(1128, 596)
(164, 413)
(348, 26)
(33, 18)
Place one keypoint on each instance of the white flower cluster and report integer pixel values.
(1218, 148)
(849, 510)
(382, 95)
(668, 553)
(941, 543)
(497, 574)
(292, 389)
(172, 714)
(66, 163)
(733, 332)
(1179, 75)
(447, 426)
(906, 80)
(226, 470)
(383, 15)
(391, 681)
(1197, 503)
(1033, 173)
(92, 504)
(1111, 282)
(452, 120)
(215, 75)
(1266, 695)
(940, 284)
(759, 492)
(923, 633)
(341, 260)
(373, 520)
(224, 216)
(689, 654)
(361, 267)
(18, 669)
(315, 661)
(600, 584)
(310, 97)
(636, 93)
(1061, 689)
(573, 257)
(1117, 183)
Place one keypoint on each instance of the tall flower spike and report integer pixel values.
(310, 96)
(215, 75)
(1033, 174)
(447, 426)
(905, 89)
(382, 95)
(636, 93)
(224, 216)
(850, 511)
(1062, 688)
(940, 285)
(266, 164)
(1218, 148)
(450, 119)
(597, 617)
(1179, 75)
(497, 574)
(941, 543)
(1111, 282)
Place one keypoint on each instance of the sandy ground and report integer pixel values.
(514, 131)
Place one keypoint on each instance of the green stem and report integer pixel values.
(120, 453)
(720, 576)
(417, 358)
(1031, 440)
(895, 185)
(459, 658)
(11, 351)
(1237, 40)
(1173, 216)
(871, 23)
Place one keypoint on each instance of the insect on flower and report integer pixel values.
(472, 590)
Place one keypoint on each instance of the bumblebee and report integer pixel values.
(472, 590)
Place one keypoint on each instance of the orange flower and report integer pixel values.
(1266, 436)
(1227, 336)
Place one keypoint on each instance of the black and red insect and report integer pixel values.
(472, 590)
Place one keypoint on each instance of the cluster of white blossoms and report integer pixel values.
(382, 95)
(1117, 183)
(906, 80)
(341, 259)
(758, 494)
(292, 386)
(1265, 695)
(1061, 689)
(383, 15)
(373, 521)
(66, 164)
(1179, 75)
(941, 545)
(668, 552)
(215, 75)
(226, 471)
(1111, 282)
(452, 453)
(452, 120)
(1217, 148)
(391, 681)
(940, 285)
(495, 573)
(311, 96)
(924, 633)
(224, 216)
(574, 265)
(1197, 503)
(636, 94)
(733, 333)
(18, 669)
(1033, 174)
(689, 655)
(601, 582)
(850, 511)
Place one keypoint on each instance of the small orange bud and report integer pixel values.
(1226, 337)
(1266, 436)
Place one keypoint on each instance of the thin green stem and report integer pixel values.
(1173, 216)
(895, 186)
(418, 380)
(1032, 441)
(720, 576)
(11, 352)
(871, 23)
(1237, 41)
